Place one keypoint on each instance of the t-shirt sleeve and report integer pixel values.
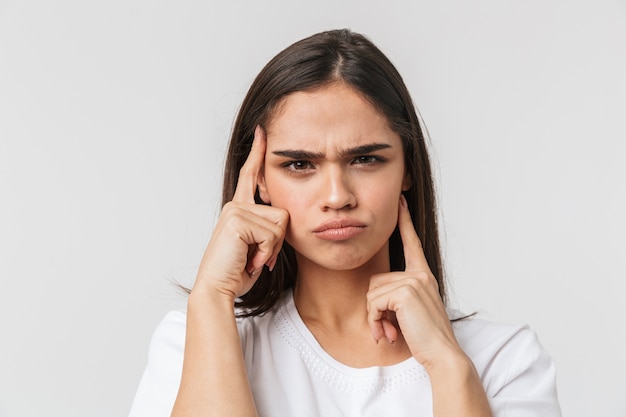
(528, 385)
(159, 384)
(160, 381)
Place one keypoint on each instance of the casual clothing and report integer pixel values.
(291, 375)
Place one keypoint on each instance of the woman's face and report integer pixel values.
(335, 165)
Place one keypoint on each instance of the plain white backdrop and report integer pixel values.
(114, 118)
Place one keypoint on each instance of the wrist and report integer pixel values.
(206, 298)
(457, 387)
(454, 362)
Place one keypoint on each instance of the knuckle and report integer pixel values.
(277, 235)
(424, 279)
(407, 291)
(234, 213)
(233, 218)
(231, 208)
(435, 283)
(283, 218)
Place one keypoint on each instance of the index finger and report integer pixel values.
(249, 173)
(414, 257)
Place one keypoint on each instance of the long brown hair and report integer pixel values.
(338, 55)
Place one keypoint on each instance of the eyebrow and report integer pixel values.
(358, 150)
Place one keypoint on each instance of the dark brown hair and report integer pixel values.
(324, 58)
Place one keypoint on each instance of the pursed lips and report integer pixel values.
(339, 229)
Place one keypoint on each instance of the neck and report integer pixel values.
(336, 299)
(333, 305)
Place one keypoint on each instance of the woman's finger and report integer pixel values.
(249, 173)
(262, 228)
(267, 247)
(381, 316)
(246, 237)
(414, 257)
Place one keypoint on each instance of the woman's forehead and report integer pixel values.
(332, 116)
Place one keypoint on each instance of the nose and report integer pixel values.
(336, 190)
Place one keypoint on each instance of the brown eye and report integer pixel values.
(298, 165)
(365, 159)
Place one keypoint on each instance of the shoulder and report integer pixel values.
(515, 369)
(497, 345)
(170, 333)
(480, 338)
(168, 339)
(159, 384)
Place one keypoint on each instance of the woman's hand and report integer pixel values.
(409, 302)
(247, 235)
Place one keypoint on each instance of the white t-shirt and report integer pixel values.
(291, 375)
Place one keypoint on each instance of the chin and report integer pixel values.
(340, 259)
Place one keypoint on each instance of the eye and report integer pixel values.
(298, 165)
(365, 159)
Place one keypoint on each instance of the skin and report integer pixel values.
(327, 155)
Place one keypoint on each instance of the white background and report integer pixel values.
(114, 117)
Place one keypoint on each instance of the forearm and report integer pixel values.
(214, 380)
(457, 389)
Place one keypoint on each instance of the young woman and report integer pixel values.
(321, 291)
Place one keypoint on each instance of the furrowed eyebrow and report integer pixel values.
(306, 155)
(365, 149)
(299, 155)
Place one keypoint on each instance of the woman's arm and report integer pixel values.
(214, 380)
(247, 237)
(413, 298)
(457, 389)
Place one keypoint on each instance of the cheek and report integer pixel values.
(388, 210)
(295, 204)
(285, 195)
(384, 203)
(299, 213)
(298, 201)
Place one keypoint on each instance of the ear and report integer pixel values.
(407, 181)
(263, 194)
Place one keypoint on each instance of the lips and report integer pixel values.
(339, 229)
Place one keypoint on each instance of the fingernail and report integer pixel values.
(255, 272)
(272, 264)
